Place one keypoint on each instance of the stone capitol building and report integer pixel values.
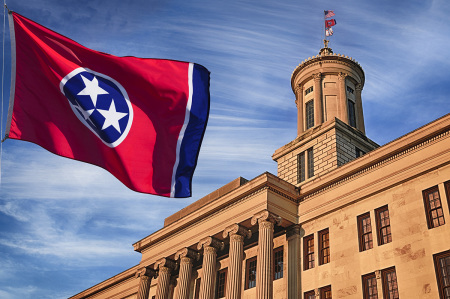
(343, 217)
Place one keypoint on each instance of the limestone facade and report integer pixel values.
(377, 223)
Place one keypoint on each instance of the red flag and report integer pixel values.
(329, 23)
(143, 120)
(328, 13)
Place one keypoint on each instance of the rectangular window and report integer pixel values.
(221, 283)
(308, 252)
(349, 89)
(278, 263)
(359, 152)
(250, 277)
(390, 287)
(369, 282)
(383, 225)
(197, 288)
(325, 292)
(442, 266)
(433, 207)
(309, 90)
(365, 232)
(324, 247)
(301, 167)
(309, 114)
(310, 162)
(310, 295)
(351, 113)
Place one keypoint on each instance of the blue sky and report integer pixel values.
(67, 225)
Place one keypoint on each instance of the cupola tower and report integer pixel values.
(330, 121)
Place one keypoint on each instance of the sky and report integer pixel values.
(66, 225)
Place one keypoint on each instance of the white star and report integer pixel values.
(92, 89)
(112, 117)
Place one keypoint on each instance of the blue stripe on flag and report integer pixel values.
(195, 130)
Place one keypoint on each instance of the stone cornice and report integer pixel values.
(388, 153)
(263, 183)
(111, 282)
(323, 59)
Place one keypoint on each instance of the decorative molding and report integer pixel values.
(165, 263)
(237, 229)
(210, 242)
(188, 253)
(266, 216)
(374, 166)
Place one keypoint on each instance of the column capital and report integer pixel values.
(358, 87)
(293, 230)
(165, 263)
(145, 271)
(298, 88)
(317, 76)
(342, 76)
(237, 229)
(210, 242)
(266, 216)
(188, 253)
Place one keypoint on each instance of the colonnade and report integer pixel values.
(209, 247)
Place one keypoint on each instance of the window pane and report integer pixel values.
(383, 225)
(309, 114)
(221, 283)
(278, 263)
(251, 273)
(324, 247)
(308, 252)
(365, 232)
(351, 113)
(433, 207)
(301, 167)
(390, 287)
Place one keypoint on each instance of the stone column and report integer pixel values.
(299, 103)
(264, 266)
(318, 110)
(146, 274)
(293, 262)
(343, 113)
(165, 267)
(210, 246)
(359, 109)
(186, 257)
(237, 234)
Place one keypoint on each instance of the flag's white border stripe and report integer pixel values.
(13, 73)
(183, 129)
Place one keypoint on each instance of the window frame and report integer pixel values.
(307, 294)
(309, 114)
(365, 286)
(247, 272)
(301, 167)
(429, 210)
(310, 162)
(351, 108)
(323, 248)
(224, 272)
(309, 90)
(323, 290)
(437, 268)
(276, 253)
(385, 282)
(307, 264)
(361, 233)
(380, 227)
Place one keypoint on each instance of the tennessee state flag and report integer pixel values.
(143, 120)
